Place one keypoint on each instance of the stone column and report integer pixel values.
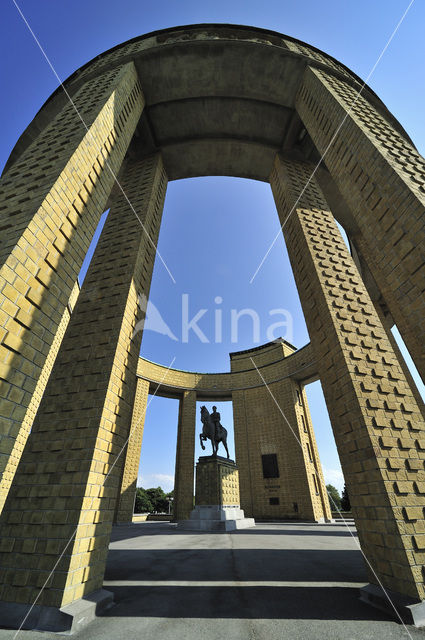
(243, 452)
(185, 457)
(64, 493)
(342, 212)
(382, 177)
(125, 504)
(27, 422)
(377, 425)
(312, 467)
(52, 198)
(388, 324)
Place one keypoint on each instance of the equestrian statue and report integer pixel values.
(213, 430)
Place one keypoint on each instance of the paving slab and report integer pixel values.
(270, 582)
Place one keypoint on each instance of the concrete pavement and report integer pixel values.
(276, 581)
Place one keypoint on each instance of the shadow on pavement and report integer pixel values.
(295, 565)
(126, 532)
(295, 532)
(307, 603)
(307, 561)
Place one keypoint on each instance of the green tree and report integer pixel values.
(158, 499)
(334, 497)
(345, 500)
(142, 503)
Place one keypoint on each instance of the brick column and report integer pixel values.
(51, 201)
(382, 176)
(358, 250)
(243, 452)
(377, 425)
(125, 503)
(318, 493)
(12, 462)
(185, 457)
(388, 324)
(60, 491)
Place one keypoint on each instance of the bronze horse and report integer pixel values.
(209, 432)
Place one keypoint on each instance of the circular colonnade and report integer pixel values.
(178, 103)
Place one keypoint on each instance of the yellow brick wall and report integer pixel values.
(377, 424)
(382, 177)
(262, 428)
(185, 456)
(125, 503)
(30, 414)
(52, 200)
(217, 483)
(84, 419)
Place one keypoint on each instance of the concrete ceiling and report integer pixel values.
(219, 98)
(218, 107)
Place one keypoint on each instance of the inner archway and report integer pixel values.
(224, 222)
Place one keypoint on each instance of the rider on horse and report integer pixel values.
(213, 430)
(215, 417)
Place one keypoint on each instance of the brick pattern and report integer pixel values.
(11, 465)
(261, 429)
(125, 503)
(377, 425)
(217, 483)
(185, 457)
(85, 414)
(279, 365)
(387, 324)
(318, 56)
(313, 468)
(51, 201)
(229, 486)
(275, 366)
(382, 177)
(243, 453)
(241, 361)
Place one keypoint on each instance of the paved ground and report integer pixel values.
(273, 582)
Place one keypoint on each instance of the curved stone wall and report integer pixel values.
(272, 360)
(262, 428)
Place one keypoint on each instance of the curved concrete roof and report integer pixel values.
(219, 98)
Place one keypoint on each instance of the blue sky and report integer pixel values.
(226, 223)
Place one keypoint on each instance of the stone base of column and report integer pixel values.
(411, 611)
(325, 520)
(216, 518)
(69, 619)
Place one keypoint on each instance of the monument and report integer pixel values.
(217, 499)
(196, 101)
(213, 430)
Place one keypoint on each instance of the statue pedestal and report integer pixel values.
(217, 497)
